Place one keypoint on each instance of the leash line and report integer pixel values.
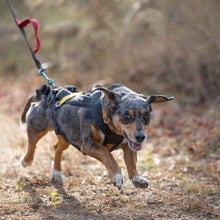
(21, 24)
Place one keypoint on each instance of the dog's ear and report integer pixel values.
(158, 98)
(112, 97)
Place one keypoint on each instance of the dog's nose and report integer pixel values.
(140, 136)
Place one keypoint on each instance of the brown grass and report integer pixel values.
(184, 179)
(168, 47)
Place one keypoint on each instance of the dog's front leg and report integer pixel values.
(130, 158)
(102, 154)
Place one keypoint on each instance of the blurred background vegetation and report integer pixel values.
(170, 47)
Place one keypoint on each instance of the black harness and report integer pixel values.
(111, 138)
(87, 100)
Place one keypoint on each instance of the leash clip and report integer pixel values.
(42, 72)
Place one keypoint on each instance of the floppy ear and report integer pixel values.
(158, 98)
(112, 97)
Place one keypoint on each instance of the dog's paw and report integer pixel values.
(139, 182)
(56, 176)
(118, 180)
(24, 163)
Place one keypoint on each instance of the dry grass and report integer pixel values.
(151, 46)
(183, 184)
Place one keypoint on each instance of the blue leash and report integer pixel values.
(21, 25)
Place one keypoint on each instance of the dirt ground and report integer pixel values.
(181, 161)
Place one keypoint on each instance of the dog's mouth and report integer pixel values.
(134, 146)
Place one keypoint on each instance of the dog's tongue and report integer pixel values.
(136, 146)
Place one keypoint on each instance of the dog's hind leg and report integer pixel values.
(59, 147)
(130, 158)
(33, 138)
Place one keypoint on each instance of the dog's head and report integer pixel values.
(128, 113)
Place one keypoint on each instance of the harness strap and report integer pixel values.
(66, 98)
(57, 129)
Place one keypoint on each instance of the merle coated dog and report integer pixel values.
(96, 123)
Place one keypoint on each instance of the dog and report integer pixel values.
(95, 122)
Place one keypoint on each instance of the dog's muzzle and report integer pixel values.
(140, 137)
(135, 145)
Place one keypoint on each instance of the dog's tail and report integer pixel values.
(27, 106)
(34, 98)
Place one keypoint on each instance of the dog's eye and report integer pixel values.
(126, 118)
(146, 118)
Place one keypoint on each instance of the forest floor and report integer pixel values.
(181, 161)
